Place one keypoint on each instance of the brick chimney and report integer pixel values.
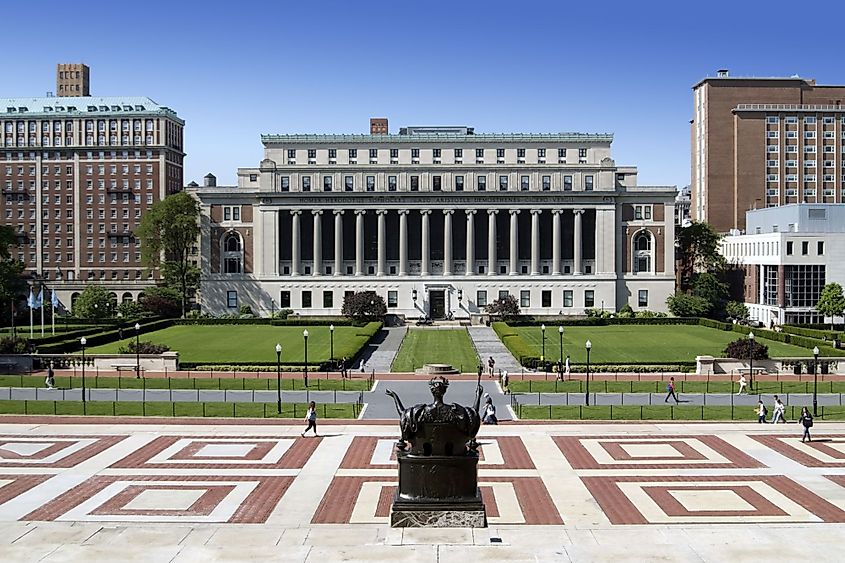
(378, 126)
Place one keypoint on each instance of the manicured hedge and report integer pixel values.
(298, 321)
(599, 321)
(812, 333)
(102, 337)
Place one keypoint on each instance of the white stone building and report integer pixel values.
(439, 221)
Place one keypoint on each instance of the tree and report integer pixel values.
(162, 301)
(12, 285)
(168, 232)
(506, 307)
(683, 305)
(831, 302)
(93, 303)
(364, 306)
(709, 287)
(742, 348)
(698, 251)
(737, 311)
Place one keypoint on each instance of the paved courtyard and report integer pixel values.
(214, 490)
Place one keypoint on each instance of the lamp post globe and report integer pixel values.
(751, 361)
(82, 343)
(560, 334)
(331, 342)
(543, 344)
(279, 378)
(305, 371)
(815, 379)
(588, 346)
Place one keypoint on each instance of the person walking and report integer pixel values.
(363, 365)
(491, 363)
(670, 391)
(559, 371)
(806, 421)
(505, 382)
(777, 411)
(566, 368)
(761, 412)
(311, 418)
(50, 382)
(742, 384)
(489, 412)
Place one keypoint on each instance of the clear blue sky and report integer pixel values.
(238, 69)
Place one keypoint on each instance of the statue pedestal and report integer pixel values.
(438, 491)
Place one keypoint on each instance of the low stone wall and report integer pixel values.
(167, 361)
(708, 365)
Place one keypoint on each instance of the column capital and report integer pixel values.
(317, 211)
(448, 211)
(536, 211)
(578, 211)
(381, 212)
(425, 211)
(360, 212)
(402, 212)
(557, 211)
(514, 211)
(296, 212)
(492, 211)
(338, 211)
(470, 211)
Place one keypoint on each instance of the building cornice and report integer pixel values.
(424, 138)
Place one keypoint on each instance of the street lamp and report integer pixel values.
(331, 342)
(305, 373)
(137, 351)
(83, 342)
(560, 333)
(751, 361)
(543, 343)
(815, 378)
(414, 297)
(588, 345)
(279, 378)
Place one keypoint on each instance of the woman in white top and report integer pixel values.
(311, 418)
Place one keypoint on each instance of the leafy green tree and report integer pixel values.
(683, 305)
(712, 289)
(697, 251)
(506, 307)
(93, 303)
(626, 312)
(130, 309)
(364, 306)
(831, 302)
(737, 311)
(12, 285)
(168, 232)
(162, 301)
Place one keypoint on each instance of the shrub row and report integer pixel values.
(102, 337)
(252, 366)
(298, 321)
(786, 338)
(601, 321)
(812, 332)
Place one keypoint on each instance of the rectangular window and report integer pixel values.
(227, 213)
(371, 184)
(524, 298)
(328, 299)
(459, 183)
(348, 183)
(481, 298)
(415, 183)
(392, 299)
(482, 183)
(541, 153)
(567, 298)
(373, 154)
(546, 298)
(479, 153)
(524, 183)
(789, 248)
(353, 154)
(589, 298)
(642, 298)
(232, 299)
(415, 153)
(820, 248)
(805, 247)
(391, 183)
(647, 212)
(327, 183)
(436, 184)
(503, 293)
(312, 153)
(284, 185)
(500, 153)
(588, 183)
(306, 183)
(459, 153)
(332, 153)
(435, 153)
(582, 153)
(284, 300)
(503, 183)
(236, 214)
(306, 299)
(394, 153)
(547, 183)
(567, 183)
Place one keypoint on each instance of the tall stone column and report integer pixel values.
(359, 242)
(294, 238)
(338, 242)
(447, 241)
(576, 251)
(426, 243)
(470, 269)
(403, 242)
(382, 243)
(317, 267)
(491, 242)
(535, 242)
(556, 242)
(514, 235)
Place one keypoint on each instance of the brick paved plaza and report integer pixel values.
(214, 490)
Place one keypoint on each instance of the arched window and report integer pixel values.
(642, 252)
(73, 297)
(233, 255)
(127, 298)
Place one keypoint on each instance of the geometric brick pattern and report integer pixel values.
(827, 452)
(52, 451)
(658, 452)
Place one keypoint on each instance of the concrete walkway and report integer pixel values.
(387, 342)
(379, 406)
(487, 344)
(696, 399)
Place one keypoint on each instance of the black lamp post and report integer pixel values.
(331, 342)
(751, 361)
(137, 351)
(279, 378)
(560, 333)
(460, 297)
(305, 373)
(414, 297)
(815, 378)
(83, 342)
(543, 343)
(588, 345)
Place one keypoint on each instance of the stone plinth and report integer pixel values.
(437, 369)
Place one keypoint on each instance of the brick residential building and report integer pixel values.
(76, 174)
(764, 142)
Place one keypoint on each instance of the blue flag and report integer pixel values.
(54, 300)
(30, 301)
(39, 301)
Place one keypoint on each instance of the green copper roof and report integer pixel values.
(78, 106)
(443, 137)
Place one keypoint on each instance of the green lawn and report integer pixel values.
(726, 386)
(660, 412)
(618, 344)
(128, 408)
(222, 344)
(435, 346)
(315, 383)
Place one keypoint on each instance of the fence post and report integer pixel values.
(550, 412)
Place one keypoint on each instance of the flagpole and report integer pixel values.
(53, 312)
(42, 310)
(31, 334)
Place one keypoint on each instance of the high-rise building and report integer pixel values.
(76, 174)
(764, 142)
(439, 221)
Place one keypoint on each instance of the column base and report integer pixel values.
(556, 273)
